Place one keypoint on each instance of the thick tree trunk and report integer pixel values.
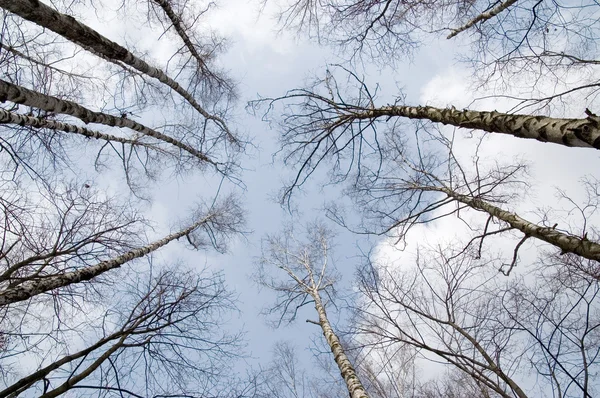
(567, 243)
(34, 287)
(569, 132)
(355, 387)
(20, 95)
(69, 28)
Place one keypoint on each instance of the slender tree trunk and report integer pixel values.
(182, 32)
(7, 117)
(567, 243)
(34, 287)
(73, 30)
(492, 364)
(71, 381)
(482, 17)
(24, 383)
(21, 95)
(569, 132)
(355, 387)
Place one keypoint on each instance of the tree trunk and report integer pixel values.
(20, 95)
(355, 387)
(34, 287)
(24, 383)
(569, 132)
(567, 243)
(71, 29)
(7, 117)
(181, 31)
(482, 17)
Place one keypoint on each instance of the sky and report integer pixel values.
(267, 62)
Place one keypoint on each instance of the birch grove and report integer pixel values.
(475, 302)
(125, 170)
(83, 300)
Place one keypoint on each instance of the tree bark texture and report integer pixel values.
(73, 30)
(7, 117)
(355, 387)
(567, 243)
(34, 287)
(569, 132)
(21, 95)
(482, 17)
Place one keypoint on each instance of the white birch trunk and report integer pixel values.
(7, 117)
(73, 30)
(355, 387)
(34, 287)
(482, 17)
(567, 243)
(21, 95)
(569, 132)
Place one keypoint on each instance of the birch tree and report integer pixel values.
(530, 42)
(343, 123)
(450, 304)
(161, 334)
(398, 181)
(51, 92)
(307, 281)
(85, 309)
(66, 264)
(57, 266)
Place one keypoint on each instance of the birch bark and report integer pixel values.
(482, 17)
(7, 117)
(20, 95)
(567, 243)
(569, 132)
(34, 287)
(76, 32)
(355, 387)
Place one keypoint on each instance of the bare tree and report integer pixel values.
(531, 41)
(342, 122)
(306, 265)
(285, 377)
(398, 181)
(56, 265)
(50, 90)
(182, 16)
(453, 384)
(80, 311)
(95, 43)
(495, 331)
(161, 335)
